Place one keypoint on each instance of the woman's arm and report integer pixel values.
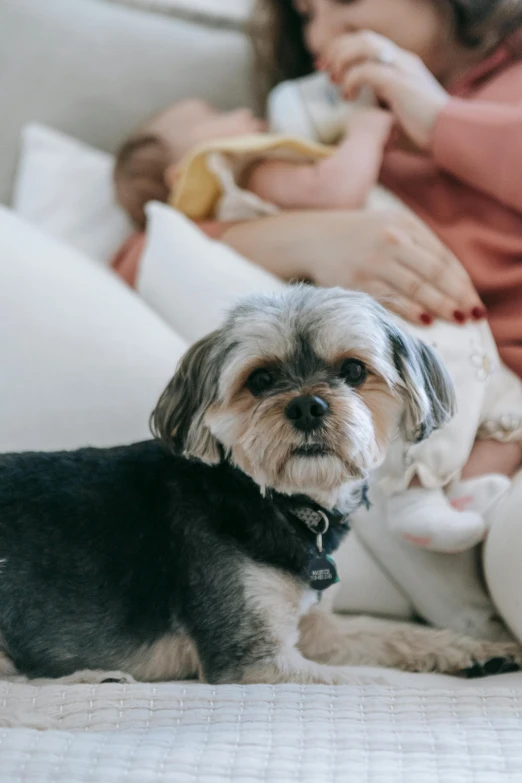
(480, 143)
(390, 255)
(276, 243)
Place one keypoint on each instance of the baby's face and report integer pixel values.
(190, 123)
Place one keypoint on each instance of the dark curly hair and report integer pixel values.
(277, 34)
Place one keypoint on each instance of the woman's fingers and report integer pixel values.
(393, 300)
(397, 77)
(419, 250)
(415, 288)
(348, 50)
(381, 79)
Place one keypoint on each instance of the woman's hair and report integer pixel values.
(277, 33)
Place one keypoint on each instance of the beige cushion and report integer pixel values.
(231, 12)
(95, 69)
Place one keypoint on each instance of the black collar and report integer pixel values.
(328, 527)
(316, 518)
(313, 515)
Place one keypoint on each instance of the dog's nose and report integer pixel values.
(306, 413)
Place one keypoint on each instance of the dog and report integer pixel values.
(204, 552)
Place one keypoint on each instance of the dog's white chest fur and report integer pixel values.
(308, 600)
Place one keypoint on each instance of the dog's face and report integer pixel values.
(303, 391)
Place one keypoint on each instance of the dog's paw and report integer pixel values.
(472, 658)
(491, 667)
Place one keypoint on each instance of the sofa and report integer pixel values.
(83, 360)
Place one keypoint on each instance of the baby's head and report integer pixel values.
(146, 163)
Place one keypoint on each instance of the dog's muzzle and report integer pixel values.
(306, 413)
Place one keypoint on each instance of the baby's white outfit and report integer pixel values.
(489, 405)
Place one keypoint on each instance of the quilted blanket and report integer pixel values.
(187, 732)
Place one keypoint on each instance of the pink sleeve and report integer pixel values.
(126, 262)
(480, 143)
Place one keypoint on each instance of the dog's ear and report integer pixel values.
(427, 388)
(178, 419)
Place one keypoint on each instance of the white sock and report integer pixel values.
(481, 494)
(425, 517)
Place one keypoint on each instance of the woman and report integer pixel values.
(413, 53)
(450, 73)
(440, 47)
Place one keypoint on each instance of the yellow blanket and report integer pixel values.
(198, 188)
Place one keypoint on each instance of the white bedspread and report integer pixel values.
(189, 732)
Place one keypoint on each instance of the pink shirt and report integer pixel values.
(470, 189)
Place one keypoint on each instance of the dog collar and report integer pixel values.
(315, 518)
(322, 570)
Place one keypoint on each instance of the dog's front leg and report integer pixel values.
(291, 666)
(260, 644)
(366, 641)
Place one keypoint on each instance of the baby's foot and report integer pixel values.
(482, 494)
(425, 517)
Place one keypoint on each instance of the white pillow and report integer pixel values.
(83, 360)
(65, 188)
(191, 280)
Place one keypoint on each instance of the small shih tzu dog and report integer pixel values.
(202, 552)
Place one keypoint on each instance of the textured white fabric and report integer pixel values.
(65, 187)
(190, 280)
(258, 734)
(82, 359)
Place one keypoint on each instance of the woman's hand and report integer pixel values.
(397, 77)
(388, 254)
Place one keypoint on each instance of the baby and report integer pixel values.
(204, 162)
(217, 167)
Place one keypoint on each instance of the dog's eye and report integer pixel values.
(260, 381)
(353, 372)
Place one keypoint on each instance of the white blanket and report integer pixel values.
(187, 732)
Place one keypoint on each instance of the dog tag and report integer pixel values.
(322, 572)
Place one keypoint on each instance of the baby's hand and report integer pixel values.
(371, 120)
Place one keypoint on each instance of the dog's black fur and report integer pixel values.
(105, 551)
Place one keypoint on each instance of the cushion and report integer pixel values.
(96, 69)
(190, 280)
(66, 188)
(83, 359)
(210, 11)
(502, 559)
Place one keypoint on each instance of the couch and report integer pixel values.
(83, 360)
